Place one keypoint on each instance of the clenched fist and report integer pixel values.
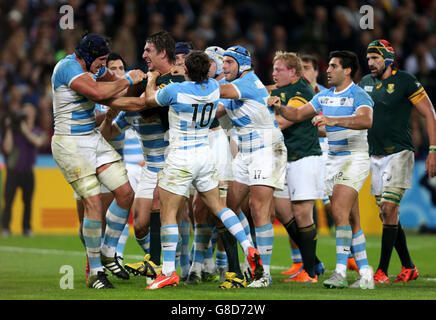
(136, 75)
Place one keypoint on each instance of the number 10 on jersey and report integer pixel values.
(205, 114)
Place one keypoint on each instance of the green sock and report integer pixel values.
(389, 236)
(292, 229)
(402, 250)
(155, 244)
(230, 245)
(308, 239)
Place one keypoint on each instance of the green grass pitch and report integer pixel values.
(30, 269)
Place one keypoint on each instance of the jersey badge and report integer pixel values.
(391, 88)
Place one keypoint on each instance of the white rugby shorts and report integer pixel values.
(351, 170)
(304, 179)
(185, 167)
(394, 170)
(80, 156)
(266, 166)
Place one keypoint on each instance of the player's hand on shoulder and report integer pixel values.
(136, 75)
(177, 71)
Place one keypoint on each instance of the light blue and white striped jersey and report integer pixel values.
(192, 109)
(132, 148)
(73, 113)
(343, 141)
(151, 135)
(252, 118)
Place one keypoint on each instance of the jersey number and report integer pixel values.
(208, 107)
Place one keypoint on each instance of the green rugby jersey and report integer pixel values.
(161, 112)
(393, 102)
(301, 139)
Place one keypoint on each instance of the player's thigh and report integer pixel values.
(342, 200)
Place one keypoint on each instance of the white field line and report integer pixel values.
(128, 256)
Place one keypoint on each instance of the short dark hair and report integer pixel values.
(197, 64)
(115, 56)
(347, 59)
(309, 58)
(163, 40)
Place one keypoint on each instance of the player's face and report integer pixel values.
(117, 67)
(180, 59)
(309, 72)
(281, 74)
(230, 68)
(335, 72)
(98, 63)
(212, 69)
(152, 57)
(376, 64)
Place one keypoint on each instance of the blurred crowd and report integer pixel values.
(31, 40)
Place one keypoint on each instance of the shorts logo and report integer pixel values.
(369, 88)
(379, 85)
(391, 88)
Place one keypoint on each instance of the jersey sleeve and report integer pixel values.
(69, 71)
(164, 96)
(121, 122)
(245, 89)
(414, 90)
(315, 103)
(361, 98)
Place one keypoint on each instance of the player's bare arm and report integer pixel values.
(107, 129)
(360, 121)
(291, 113)
(151, 90)
(426, 109)
(229, 91)
(99, 91)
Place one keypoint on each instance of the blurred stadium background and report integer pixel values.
(32, 41)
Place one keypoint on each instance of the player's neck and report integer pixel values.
(386, 74)
(82, 63)
(344, 85)
(165, 68)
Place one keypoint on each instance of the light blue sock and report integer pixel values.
(144, 243)
(265, 239)
(116, 219)
(169, 235)
(296, 255)
(358, 248)
(343, 244)
(202, 237)
(185, 232)
(122, 241)
(234, 226)
(92, 239)
(246, 225)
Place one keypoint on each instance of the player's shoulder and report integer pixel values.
(366, 79)
(402, 75)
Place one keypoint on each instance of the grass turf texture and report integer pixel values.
(30, 270)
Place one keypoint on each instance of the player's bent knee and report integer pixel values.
(86, 187)
(114, 176)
